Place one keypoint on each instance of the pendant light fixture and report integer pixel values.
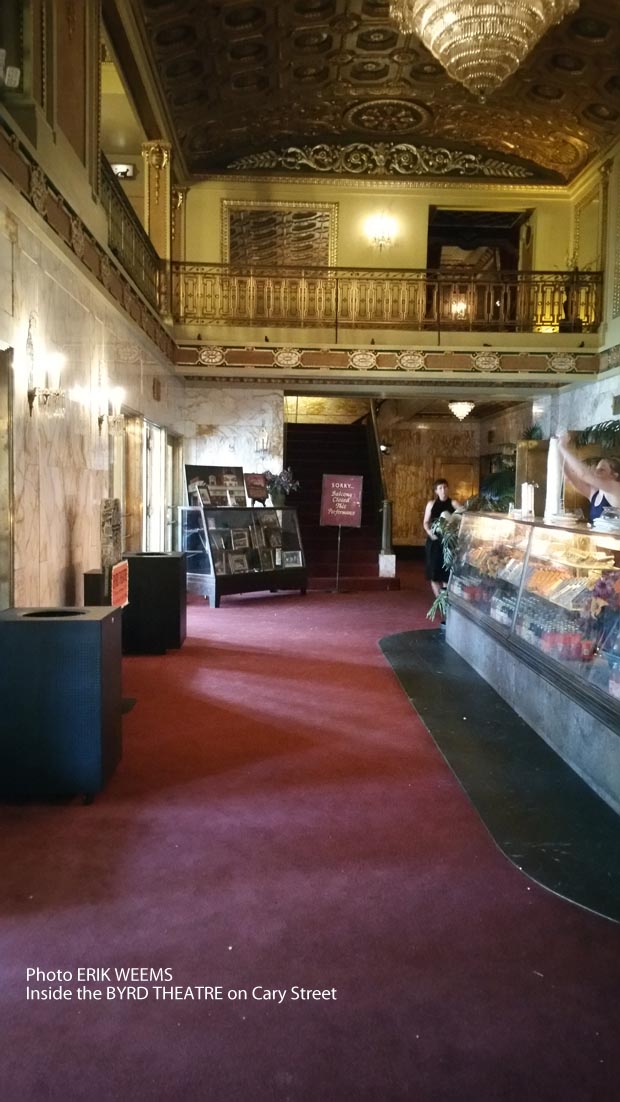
(460, 409)
(479, 42)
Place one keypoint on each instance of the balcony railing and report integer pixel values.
(345, 298)
(127, 238)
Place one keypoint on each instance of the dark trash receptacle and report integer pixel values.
(60, 700)
(155, 618)
(94, 588)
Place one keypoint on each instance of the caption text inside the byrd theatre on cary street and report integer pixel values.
(138, 984)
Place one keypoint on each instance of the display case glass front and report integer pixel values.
(489, 565)
(555, 590)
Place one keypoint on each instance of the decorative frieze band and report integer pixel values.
(367, 360)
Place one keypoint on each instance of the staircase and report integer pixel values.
(315, 450)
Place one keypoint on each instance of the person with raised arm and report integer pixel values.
(600, 484)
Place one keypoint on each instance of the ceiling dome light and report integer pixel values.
(479, 42)
(461, 409)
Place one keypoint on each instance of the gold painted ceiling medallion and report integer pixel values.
(479, 42)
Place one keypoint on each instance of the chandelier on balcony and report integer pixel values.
(479, 42)
(460, 409)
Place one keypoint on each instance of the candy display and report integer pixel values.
(557, 592)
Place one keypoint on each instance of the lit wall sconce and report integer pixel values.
(50, 397)
(461, 409)
(385, 448)
(114, 419)
(381, 231)
(459, 309)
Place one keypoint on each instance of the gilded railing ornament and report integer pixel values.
(382, 158)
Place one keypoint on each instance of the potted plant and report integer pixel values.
(280, 485)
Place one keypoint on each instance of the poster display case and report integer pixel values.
(234, 550)
(552, 594)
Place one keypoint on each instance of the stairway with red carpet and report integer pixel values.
(313, 450)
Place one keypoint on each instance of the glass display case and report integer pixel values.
(553, 593)
(240, 550)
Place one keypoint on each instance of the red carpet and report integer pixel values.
(282, 818)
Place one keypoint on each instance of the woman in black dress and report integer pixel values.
(436, 572)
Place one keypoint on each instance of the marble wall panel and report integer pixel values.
(6, 270)
(241, 428)
(61, 464)
(580, 406)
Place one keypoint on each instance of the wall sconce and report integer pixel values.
(459, 309)
(381, 230)
(461, 409)
(114, 420)
(263, 442)
(385, 448)
(50, 397)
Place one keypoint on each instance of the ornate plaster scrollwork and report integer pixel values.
(38, 190)
(412, 361)
(158, 158)
(487, 361)
(178, 198)
(288, 357)
(364, 360)
(77, 237)
(213, 357)
(382, 158)
(105, 270)
(562, 361)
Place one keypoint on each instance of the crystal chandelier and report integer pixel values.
(479, 42)
(460, 409)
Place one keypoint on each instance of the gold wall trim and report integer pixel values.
(562, 191)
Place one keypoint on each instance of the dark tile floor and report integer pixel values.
(541, 814)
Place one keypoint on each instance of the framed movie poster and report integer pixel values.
(219, 486)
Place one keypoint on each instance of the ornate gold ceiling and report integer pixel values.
(331, 86)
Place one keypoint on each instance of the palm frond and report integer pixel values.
(439, 605)
(606, 433)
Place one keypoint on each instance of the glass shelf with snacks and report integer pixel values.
(488, 566)
(240, 550)
(555, 592)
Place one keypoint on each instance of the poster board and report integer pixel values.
(215, 486)
(341, 500)
(119, 585)
(256, 487)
